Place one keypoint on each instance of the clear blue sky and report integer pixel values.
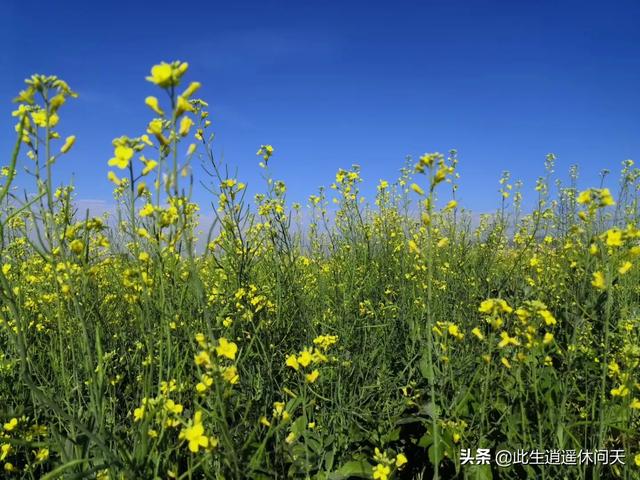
(333, 83)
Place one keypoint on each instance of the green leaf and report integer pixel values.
(426, 368)
(478, 472)
(353, 468)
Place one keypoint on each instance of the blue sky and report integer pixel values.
(335, 83)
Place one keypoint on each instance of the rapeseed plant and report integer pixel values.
(375, 343)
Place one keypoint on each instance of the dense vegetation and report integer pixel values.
(341, 339)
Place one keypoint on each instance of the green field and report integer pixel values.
(346, 338)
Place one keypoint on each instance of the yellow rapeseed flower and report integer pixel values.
(381, 472)
(507, 340)
(313, 376)
(598, 281)
(625, 267)
(122, 156)
(416, 188)
(230, 374)
(621, 391)
(548, 317)
(147, 210)
(476, 331)
(167, 75)
(153, 104)
(194, 434)
(113, 178)
(185, 125)
(584, 198)
(191, 89)
(401, 460)
(202, 358)
(68, 143)
(11, 425)
(292, 362)
(305, 357)
(226, 348)
(614, 237)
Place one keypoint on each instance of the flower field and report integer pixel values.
(347, 338)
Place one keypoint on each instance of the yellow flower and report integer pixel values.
(305, 357)
(155, 127)
(278, 408)
(614, 237)
(138, 414)
(548, 338)
(230, 374)
(194, 434)
(625, 267)
(635, 404)
(205, 382)
(114, 178)
(401, 460)
(606, 199)
(548, 318)
(292, 362)
(185, 125)
(476, 331)
(325, 341)
(11, 424)
(614, 368)
(122, 156)
(636, 459)
(183, 105)
(76, 246)
(266, 151)
(5, 450)
(413, 247)
(42, 455)
(226, 348)
(454, 331)
(621, 391)
(40, 119)
(507, 340)
(450, 205)
(68, 143)
(443, 242)
(598, 281)
(147, 210)
(416, 188)
(313, 376)
(149, 166)
(167, 75)
(381, 472)
(173, 407)
(505, 362)
(265, 421)
(203, 358)
(152, 103)
(191, 89)
(584, 197)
